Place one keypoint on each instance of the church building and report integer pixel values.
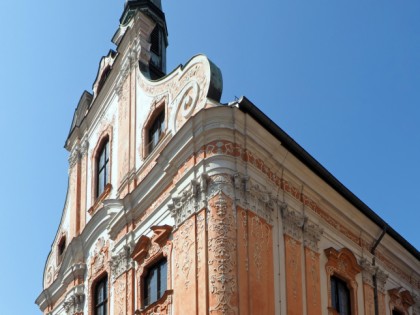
(178, 204)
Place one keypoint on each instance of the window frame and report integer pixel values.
(343, 265)
(339, 285)
(156, 131)
(157, 111)
(103, 280)
(161, 282)
(95, 198)
(102, 167)
(147, 253)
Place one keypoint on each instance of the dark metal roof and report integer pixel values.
(293, 147)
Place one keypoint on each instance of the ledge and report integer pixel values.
(99, 200)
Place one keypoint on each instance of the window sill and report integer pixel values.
(159, 306)
(99, 200)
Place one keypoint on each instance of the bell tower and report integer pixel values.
(154, 40)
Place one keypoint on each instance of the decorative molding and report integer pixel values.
(235, 150)
(247, 193)
(312, 235)
(148, 251)
(74, 156)
(256, 197)
(368, 271)
(183, 242)
(293, 223)
(381, 278)
(222, 249)
(183, 206)
(400, 300)
(99, 258)
(160, 307)
(260, 233)
(121, 263)
(75, 301)
(84, 147)
(343, 264)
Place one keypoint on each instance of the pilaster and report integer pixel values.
(368, 271)
(223, 288)
(292, 228)
(122, 277)
(74, 190)
(311, 236)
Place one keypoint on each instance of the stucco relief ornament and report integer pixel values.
(260, 232)
(121, 262)
(74, 156)
(258, 199)
(222, 253)
(183, 206)
(312, 235)
(100, 256)
(381, 279)
(293, 223)
(367, 271)
(182, 245)
(75, 302)
(84, 147)
(220, 183)
(50, 276)
(186, 102)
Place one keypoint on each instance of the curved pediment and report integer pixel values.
(188, 89)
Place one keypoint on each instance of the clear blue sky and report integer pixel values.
(341, 77)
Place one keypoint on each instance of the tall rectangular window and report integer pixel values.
(156, 131)
(101, 297)
(155, 282)
(103, 169)
(340, 296)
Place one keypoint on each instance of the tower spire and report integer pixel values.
(157, 38)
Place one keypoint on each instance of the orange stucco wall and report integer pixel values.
(313, 286)
(293, 263)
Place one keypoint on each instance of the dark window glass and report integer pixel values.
(155, 41)
(103, 169)
(155, 282)
(156, 131)
(101, 297)
(62, 246)
(104, 76)
(340, 296)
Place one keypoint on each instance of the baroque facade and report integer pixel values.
(178, 204)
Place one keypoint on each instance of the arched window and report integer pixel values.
(102, 167)
(155, 282)
(156, 131)
(100, 298)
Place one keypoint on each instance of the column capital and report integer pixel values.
(293, 223)
(312, 233)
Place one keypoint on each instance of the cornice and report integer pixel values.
(52, 294)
